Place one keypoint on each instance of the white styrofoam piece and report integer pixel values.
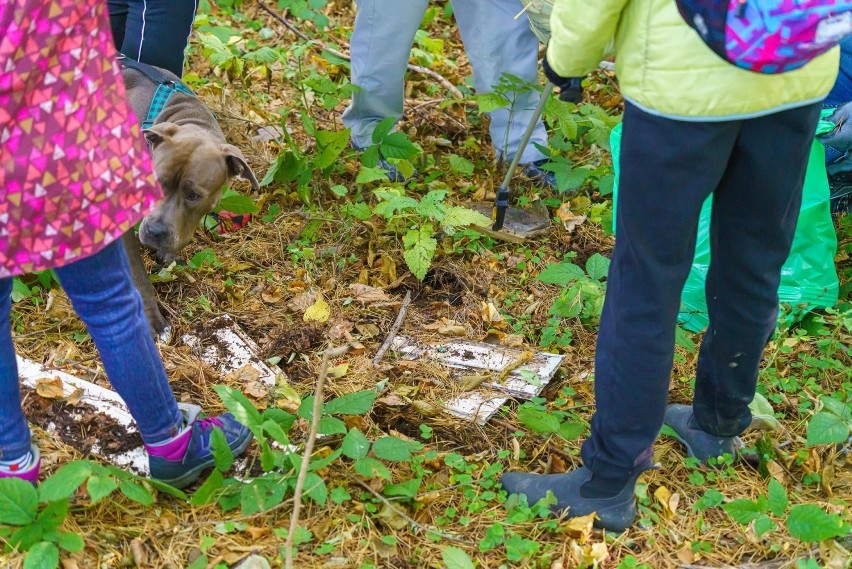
(239, 350)
(475, 405)
(104, 400)
(465, 354)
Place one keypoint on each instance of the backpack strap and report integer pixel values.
(165, 87)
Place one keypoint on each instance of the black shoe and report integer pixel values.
(840, 192)
(616, 511)
(699, 444)
(535, 171)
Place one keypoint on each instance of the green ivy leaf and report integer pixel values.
(369, 467)
(456, 558)
(397, 145)
(808, 522)
(743, 511)
(395, 449)
(763, 524)
(240, 407)
(331, 145)
(826, 428)
(204, 494)
(43, 555)
(461, 165)
(490, 102)
(778, 501)
(71, 542)
(223, 457)
(340, 495)
(407, 489)
(369, 174)
(420, 249)
(357, 403)
(136, 492)
(456, 217)
(597, 266)
(538, 421)
(65, 481)
(236, 203)
(100, 487)
(562, 274)
(18, 502)
(355, 445)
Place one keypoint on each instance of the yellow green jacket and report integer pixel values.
(665, 68)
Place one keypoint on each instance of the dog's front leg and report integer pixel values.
(160, 328)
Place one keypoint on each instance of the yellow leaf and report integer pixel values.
(668, 500)
(50, 388)
(453, 330)
(580, 528)
(319, 311)
(338, 370)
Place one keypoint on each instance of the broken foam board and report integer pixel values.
(104, 400)
(466, 355)
(227, 348)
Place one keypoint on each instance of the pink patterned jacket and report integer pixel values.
(75, 172)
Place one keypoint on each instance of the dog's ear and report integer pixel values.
(237, 165)
(160, 132)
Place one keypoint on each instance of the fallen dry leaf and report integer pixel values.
(580, 528)
(303, 301)
(243, 375)
(685, 554)
(366, 294)
(50, 388)
(569, 219)
(256, 389)
(492, 316)
(368, 331)
(75, 396)
(452, 330)
(668, 500)
(257, 533)
(513, 340)
(319, 311)
(271, 294)
(340, 329)
(137, 549)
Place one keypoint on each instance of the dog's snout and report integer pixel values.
(156, 230)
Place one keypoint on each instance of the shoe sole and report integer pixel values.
(194, 474)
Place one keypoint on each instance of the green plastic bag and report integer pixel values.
(808, 278)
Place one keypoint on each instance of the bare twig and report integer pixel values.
(409, 519)
(403, 310)
(309, 449)
(445, 83)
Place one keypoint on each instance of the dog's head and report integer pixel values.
(192, 166)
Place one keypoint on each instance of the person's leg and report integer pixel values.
(659, 202)
(157, 32)
(118, 20)
(102, 293)
(380, 47)
(14, 432)
(496, 44)
(755, 210)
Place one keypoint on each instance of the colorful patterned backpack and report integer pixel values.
(769, 36)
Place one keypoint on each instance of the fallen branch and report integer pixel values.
(409, 519)
(403, 310)
(309, 449)
(325, 47)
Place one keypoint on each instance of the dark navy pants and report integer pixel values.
(755, 170)
(155, 32)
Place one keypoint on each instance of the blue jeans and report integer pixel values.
(155, 32)
(756, 202)
(102, 292)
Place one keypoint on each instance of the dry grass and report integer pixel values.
(264, 267)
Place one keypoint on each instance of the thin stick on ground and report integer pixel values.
(403, 310)
(445, 83)
(309, 449)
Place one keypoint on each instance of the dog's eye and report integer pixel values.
(192, 196)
